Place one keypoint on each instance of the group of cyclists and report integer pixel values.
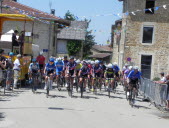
(85, 72)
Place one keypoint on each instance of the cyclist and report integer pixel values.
(133, 78)
(2, 60)
(96, 72)
(33, 70)
(49, 71)
(59, 68)
(84, 74)
(103, 70)
(70, 70)
(9, 67)
(109, 74)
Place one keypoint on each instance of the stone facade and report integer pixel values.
(132, 35)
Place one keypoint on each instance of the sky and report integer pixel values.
(101, 25)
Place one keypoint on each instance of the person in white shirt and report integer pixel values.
(16, 68)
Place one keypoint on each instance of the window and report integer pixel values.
(62, 47)
(148, 34)
(150, 4)
(146, 62)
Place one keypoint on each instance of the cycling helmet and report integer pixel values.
(101, 62)
(78, 61)
(109, 66)
(51, 60)
(92, 62)
(136, 67)
(33, 60)
(41, 53)
(59, 59)
(65, 57)
(130, 67)
(97, 62)
(11, 54)
(115, 63)
(126, 64)
(71, 57)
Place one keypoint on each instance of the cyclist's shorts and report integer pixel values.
(133, 82)
(41, 66)
(97, 75)
(58, 73)
(49, 72)
(83, 76)
(110, 79)
(117, 74)
(71, 72)
(109, 75)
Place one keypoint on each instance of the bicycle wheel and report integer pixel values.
(81, 90)
(109, 87)
(48, 84)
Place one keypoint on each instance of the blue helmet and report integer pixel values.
(11, 54)
(33, 60)
(51, 60)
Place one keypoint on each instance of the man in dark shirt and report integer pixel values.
(15, 41)
(2, 60)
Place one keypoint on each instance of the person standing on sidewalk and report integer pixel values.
(16, 68)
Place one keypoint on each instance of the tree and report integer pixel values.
(89, 41)
(69, 16)
(73, 47)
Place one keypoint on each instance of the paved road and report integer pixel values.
(22, 109)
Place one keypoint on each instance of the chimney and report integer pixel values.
(53, 11)
(14, 0)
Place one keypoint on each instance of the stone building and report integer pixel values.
(144, 36)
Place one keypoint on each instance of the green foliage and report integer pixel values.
(89, 41)
(74, 47)
(69, 16)
(156, 79)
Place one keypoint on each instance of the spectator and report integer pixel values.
(17, 68)
(15, 41)
(167, 82)
(162, 80)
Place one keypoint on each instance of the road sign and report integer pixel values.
(128, 59)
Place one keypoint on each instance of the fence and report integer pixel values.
(156, 93)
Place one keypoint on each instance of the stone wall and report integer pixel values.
(134, 47)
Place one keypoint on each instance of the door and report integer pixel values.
(146, 61)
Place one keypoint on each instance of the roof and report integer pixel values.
(100, 55)
(18, 8)
(76, 31)
(15, 17)
(102, 48)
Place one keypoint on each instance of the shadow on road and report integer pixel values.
(1, 116)
(139, 106)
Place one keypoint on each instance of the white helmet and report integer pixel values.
(59, 59)
(92, 62)
(136, 67)
(97, 62)
(109, 66)
(115, 63)
(130, 67)
(78, 61)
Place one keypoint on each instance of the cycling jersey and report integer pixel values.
(34, 67)
(109, 73)
(132, 75)
(97, 71)
(59, 66)
(71, 65)
(50, 68)
(84, 71)
(78, 67)
(116, 69)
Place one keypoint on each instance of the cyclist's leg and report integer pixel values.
(46, 81)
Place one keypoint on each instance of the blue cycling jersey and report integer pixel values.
(50, 67)
(59, 66)
(34, 67)
(71, 65)
(97, 69)
(116, 69)
(132, 75)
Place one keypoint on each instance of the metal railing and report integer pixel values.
(155, 92)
